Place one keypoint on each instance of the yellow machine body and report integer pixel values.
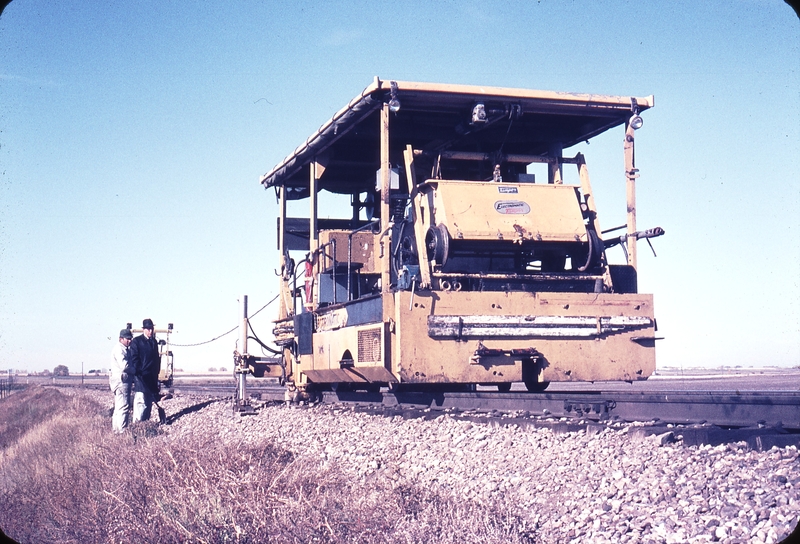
(457, 267)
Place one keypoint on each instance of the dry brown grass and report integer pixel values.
(65, 478)
(28, 407)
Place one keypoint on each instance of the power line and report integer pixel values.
(225, 333)
(206, 342)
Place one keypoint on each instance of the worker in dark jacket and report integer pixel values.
(143, 355)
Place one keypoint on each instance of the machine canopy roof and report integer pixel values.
(434, 118)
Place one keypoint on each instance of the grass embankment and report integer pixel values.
(64, 477)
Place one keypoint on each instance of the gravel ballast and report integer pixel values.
(606, 486)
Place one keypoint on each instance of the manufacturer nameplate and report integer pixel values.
(512, 207)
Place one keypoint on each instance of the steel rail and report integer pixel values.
(761, 418)
(720, 408)
(723, 409)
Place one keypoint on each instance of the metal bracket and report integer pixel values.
(483, 351)
(587, 408)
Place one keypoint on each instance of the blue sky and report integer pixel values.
(132, 137)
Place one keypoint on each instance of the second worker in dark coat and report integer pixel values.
(144, 356)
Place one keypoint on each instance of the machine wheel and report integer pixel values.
(504, 387)
(404, 254)
(437, 243)
(536, 387)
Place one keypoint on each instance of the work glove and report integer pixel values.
(126, 378)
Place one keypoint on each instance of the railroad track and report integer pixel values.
(762, 418)
(721, 408)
